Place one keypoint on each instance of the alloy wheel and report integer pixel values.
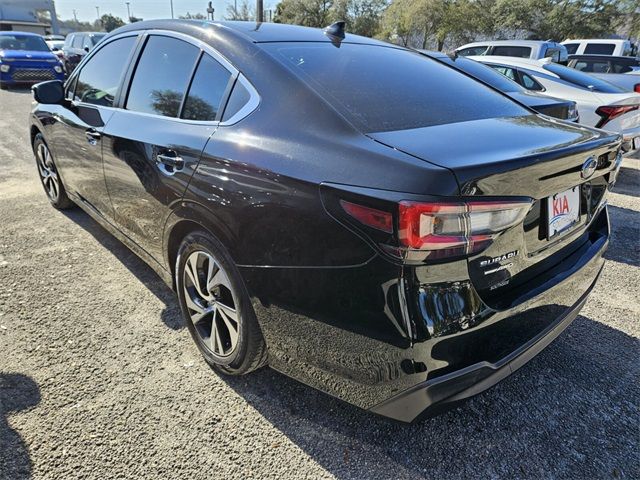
(211, 304)
(48, 172)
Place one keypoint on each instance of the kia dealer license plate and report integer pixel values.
(564, 210)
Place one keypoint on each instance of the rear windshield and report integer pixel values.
(507, 51)
(384, 89)
(582, 79)
(487, 75)
(23, 42)
(600, 48)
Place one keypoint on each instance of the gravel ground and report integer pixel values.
(99, 379)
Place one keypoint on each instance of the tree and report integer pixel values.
(193, 16)
(245, 12)
(110, 22)
(310, 13)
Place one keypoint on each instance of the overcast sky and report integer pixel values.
(147, 9)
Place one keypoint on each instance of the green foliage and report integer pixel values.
(111, 22)
(436, 23)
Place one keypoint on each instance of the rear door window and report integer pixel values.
(511, 51)
(381, 88)
(599, 48)
(77, 41)
(206, 91)
(100, 77)
(508, 72)
(162, 76)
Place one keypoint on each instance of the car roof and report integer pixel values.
(597, 40)
(254, 32)
(517, 43)
(16, 32)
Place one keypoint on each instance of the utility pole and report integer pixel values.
(75, 15)
(210, 12)
(171, 8)
(98, 12)
(259, 11)
(128, 11)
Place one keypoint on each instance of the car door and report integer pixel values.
(78, 145)
(153, 145)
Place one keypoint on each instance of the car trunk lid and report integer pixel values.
(526, 156)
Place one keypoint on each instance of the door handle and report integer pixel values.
(92, 136)
(173, 162)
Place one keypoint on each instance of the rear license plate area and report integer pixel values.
(563, 211)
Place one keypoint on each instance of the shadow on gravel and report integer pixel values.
(625, 228)
(19, 90)
(171, 313)
(17, 392)
(572, 412)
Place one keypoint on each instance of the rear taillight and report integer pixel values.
(453, 229)
(609, 112)
(371, 217)
(413, 231)
(636, 88)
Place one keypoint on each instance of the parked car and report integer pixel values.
(554, 107)
(600, 103)
(59, 38)
(599, 46)
(56, 47)
(402, 244)
(533, 49)
(621, 71)
(25, 59)
(77, 45)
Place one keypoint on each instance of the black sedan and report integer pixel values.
(554, 107)
(354, 214)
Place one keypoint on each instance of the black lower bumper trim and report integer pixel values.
(434, 396)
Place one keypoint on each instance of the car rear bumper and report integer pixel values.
(432, 397)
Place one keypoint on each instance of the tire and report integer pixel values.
(4, 86)
(48, 173)
(236, 346)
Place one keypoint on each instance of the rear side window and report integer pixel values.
(572, 47)
(206, 90)
(530, 83)
(466, 52)
(599, 48)
(162, 76)
(621, 68)
(77, 41)
(99, 79)
(507, 51)
(384, 88)
(238, 99)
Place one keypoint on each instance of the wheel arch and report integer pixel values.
(188, 218)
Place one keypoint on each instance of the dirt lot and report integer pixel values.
(99, 379)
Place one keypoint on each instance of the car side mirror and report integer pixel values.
(86, 49)
(49, 93)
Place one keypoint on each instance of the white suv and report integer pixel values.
(619, 48)
(533, 49)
